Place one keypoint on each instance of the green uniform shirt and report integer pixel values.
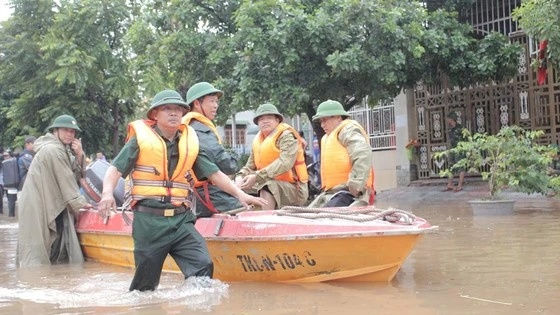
(127, 157)
(227, 163)
(456, 135)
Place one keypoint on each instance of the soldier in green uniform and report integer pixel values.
(455, 134)
(347, 173)
(203, 99)
(158, 154)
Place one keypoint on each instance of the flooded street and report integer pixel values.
(508, 264)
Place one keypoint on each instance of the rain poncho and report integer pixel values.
(50, 194)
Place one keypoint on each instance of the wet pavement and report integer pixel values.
(474, 264)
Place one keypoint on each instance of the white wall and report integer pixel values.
(402, 130)
(384, 164)
(392, 167)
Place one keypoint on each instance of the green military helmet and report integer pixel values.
(166, 97)
(201, 89)
(452, 115)
(330, 108)
(64, 121)
(267, 109)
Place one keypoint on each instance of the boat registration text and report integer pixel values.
(284, 261)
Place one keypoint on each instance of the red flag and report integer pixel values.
(541, 72)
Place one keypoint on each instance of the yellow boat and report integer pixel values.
(279, 245)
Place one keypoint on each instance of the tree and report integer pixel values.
(107, 58)
(540, 19)
(20, 66)
(78, 66)
(299, 53)
(180, 43)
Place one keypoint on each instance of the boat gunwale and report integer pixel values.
(349, 234)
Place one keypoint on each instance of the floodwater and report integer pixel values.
(506, 264)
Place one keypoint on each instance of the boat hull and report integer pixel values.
(265, 251)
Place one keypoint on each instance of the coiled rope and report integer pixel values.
(358, 214)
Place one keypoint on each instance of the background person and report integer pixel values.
(100, 156)
(5, 155)
(203, 99)
(346, 159)
(276, 166)
(455, 134)
(50, 197)
(25, 159)
(10, 177)
(316, 150)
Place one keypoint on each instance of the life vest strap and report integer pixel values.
(166, 199)
(160, 183)
(206, 198)
(147, 169)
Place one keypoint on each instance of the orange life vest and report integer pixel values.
(265, 152)
(203, 119)
(150, 178)
(205, 199)
(335, 160)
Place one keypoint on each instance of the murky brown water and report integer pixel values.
(473, 265)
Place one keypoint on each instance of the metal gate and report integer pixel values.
(486, 108)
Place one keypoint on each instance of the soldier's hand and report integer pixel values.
(238, 181)
(354, 192)
(249, 181)
(77, 147)
(247, 200)
(105, 206)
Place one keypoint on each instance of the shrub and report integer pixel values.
(512, 158)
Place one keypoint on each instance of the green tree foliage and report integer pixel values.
(68, 57)
(179, 43)
(95, 58)
(453, 53)
(541, 20)
(305, 52)
(22, 92)
(298, 53)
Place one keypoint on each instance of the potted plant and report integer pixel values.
(510, 159)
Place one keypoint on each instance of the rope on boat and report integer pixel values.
(358, 214)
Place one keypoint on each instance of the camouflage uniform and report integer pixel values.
(455, 136)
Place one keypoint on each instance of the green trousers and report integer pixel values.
(155, 237)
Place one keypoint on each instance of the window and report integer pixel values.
(240, 134)
(379, 123)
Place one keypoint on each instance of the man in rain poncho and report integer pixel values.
(50, 196)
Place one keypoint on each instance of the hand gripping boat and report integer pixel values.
(287, 245)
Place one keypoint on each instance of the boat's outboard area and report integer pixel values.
(92, 183)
